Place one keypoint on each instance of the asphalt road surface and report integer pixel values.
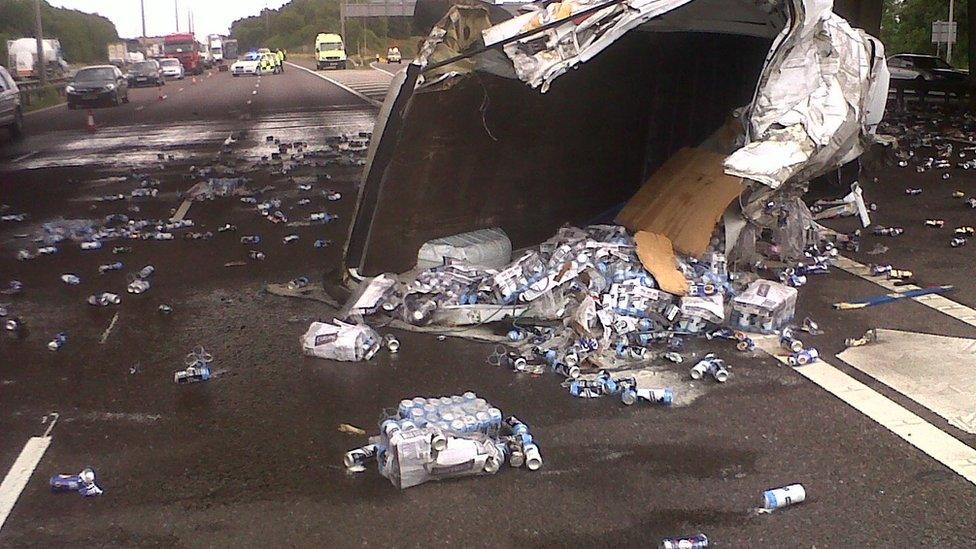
(254, 458)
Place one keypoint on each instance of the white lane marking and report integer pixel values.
(375, 67)
(914, 430)
(938, 302)
(373, 102)
(15, 481)
(45, 109)
(24, 156)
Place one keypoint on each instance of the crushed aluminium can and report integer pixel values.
(104, 299)
(957, 242)
(937, 223)
(83, 483)
(57, 342)
(356, 460)
(654, 396)
(192, 374)
(804, 357)
(699, 541)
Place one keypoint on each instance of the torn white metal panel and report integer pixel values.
(812, 106)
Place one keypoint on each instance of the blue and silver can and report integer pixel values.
(699, 541)
(778, 498)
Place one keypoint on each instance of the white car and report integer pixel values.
(393, 55)
(172, 68)
(249, 64)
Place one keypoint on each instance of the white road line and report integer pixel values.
(373, 102)
(914, 430)
(15, 481)
(24, 156)
(938, 302)
(373, 65)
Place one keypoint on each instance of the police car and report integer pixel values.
(256, 63)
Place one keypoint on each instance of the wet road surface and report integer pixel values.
(253, 457)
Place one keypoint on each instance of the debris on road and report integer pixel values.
(892, 297)
(197, 367)
(869, 336)
(778, 498)
(350, 429)
(699, 541)
(340, 341)
(83, 483)
(446, 437)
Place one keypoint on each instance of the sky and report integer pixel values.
(209, 16)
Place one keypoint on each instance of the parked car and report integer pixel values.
(172, 68)
(912, 66)
(393, 55)
(146, 73)
(11, 111)
(97, 84)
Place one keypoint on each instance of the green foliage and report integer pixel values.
(293, 27)
(906, 27)
(84, 37)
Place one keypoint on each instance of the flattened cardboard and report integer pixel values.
(683, 200)
(657, 256)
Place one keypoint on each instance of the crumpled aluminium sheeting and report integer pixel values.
(820, 97)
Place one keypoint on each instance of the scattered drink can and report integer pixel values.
(121, 250)
(70, 279)
(957, 242)
(938, 223)
(290, 238)
(59, 340)
(147, 271)
(391, 342)
(251, 239)
(73, 483)
(913, 192)
(896, 274)
(322, 243)
(13, 324)
(138, 286)
(965, 231)
(91, 245)
(533, 460)
(192, 374)
(778, 498)
(653, 396)
(356, 460)
(681, 542)
(117, 266)
(256, 255)
(165, 309)
(104, 299)
(958, 194)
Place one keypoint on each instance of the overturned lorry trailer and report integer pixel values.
(561, 115)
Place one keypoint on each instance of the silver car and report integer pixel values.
(11, 111)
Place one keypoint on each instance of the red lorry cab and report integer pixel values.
(183, 46)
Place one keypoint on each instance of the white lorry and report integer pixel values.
(118, 54)
(22, 57)
(217, 49)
